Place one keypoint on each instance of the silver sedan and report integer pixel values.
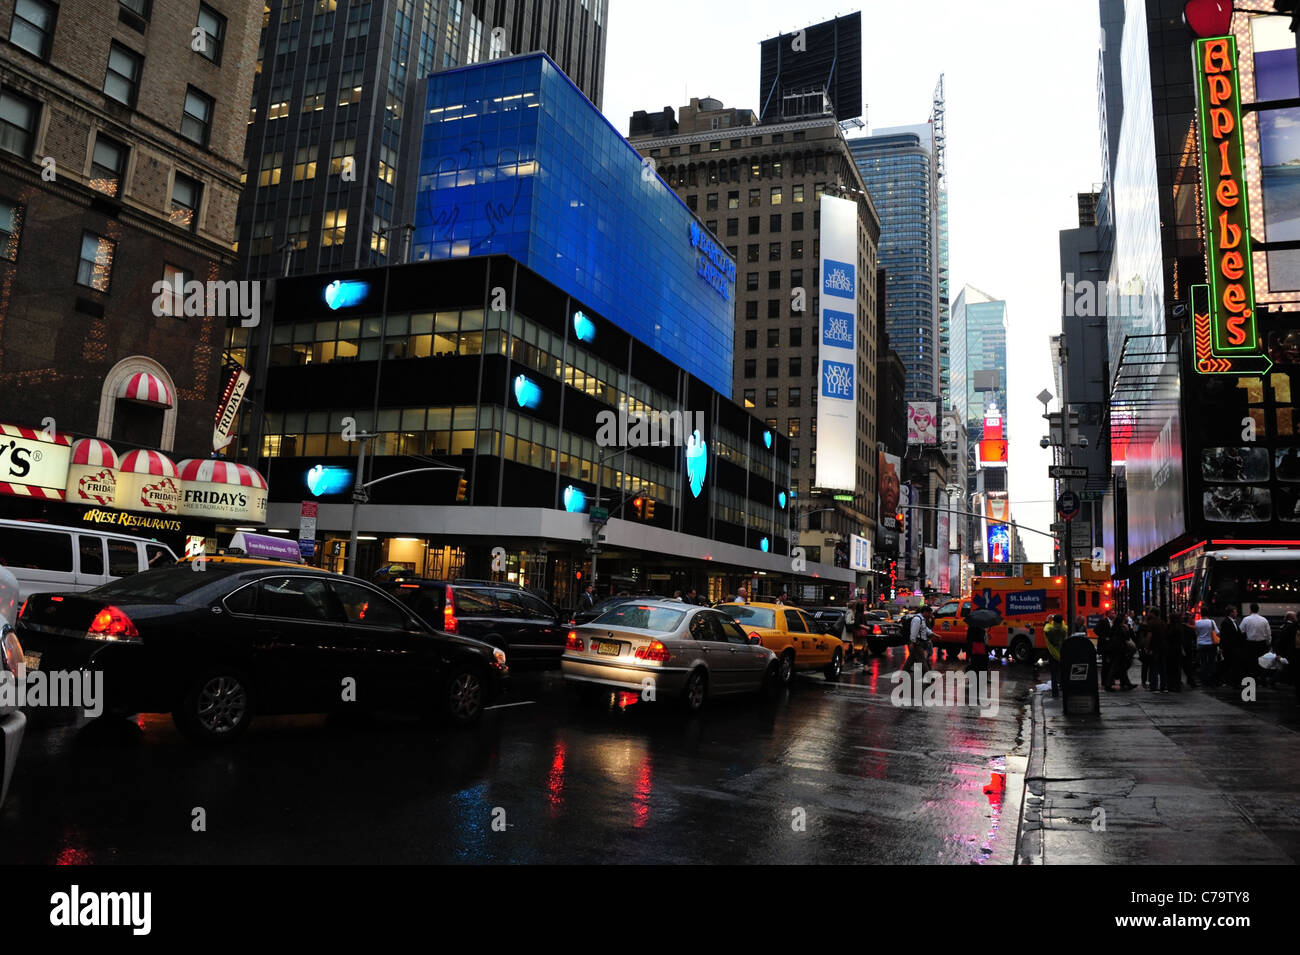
(667, 650)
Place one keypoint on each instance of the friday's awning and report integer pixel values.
(224, 490)
(147, 389)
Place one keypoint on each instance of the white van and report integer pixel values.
(47, 557)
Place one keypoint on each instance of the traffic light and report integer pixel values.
(649, 506)
(899, 517)
(638, 507)
(462, 489)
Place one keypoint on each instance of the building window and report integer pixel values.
(776, 195)
(269, 174)
(11, 223)
(107, 166)
(774, 222)
(304, 166)
(694, 148)
(712, 225)
(751, 252)
(334, 227)
(733, 199)
(770, 397)
(751, 338)
(773, 367)
(753, 224)
(186, 195)
(773, 338)
(796, 221)
(774, 251)
(17, 124)
(796, 193)
(792, 425)
(96, 266)
(122, 78)
(139, 7)
(796, 249)
(341, 156)
(749, 398)
(33, 26)
(755, 198)
(213, 33)
(751, 367)
(172, 300)
(751, 281)
(711, 202)
(755, 140)
(796, 398)
(751, 310)
(773, 308)
(196, 122)
(794, 457)
(796, 278)
(796, 367)
(733, 227)
(796, 337)
(773, 279)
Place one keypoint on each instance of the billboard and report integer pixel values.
(888, 469)
(837, 349)
(859, 553)
(1154, 459)
(921, 422)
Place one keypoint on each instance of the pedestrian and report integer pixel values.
(1103, 632)
(1054, 634)
(1156, 638)
(742, 595)
(783, 599)
(1258, 635)
(693, 596)
(1207, 647)
(1230, 644)
(588, 600)
(677, 596)
(1174, 639)
(1187, 644)
(1123, 649)
(1284, 642)
(919, 637)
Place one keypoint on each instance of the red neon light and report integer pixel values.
(1182, 577)
(1193, 547)
(1291, 543)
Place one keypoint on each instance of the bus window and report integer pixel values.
(1081, 600)
(1096, 599)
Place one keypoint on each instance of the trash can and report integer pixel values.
(1079, 679)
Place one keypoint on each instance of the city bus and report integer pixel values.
(1268, 576)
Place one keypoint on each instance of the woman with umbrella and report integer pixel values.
(978, 623)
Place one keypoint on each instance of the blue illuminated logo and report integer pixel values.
(837, 380)
(527, 392)
(999, 544)
(322, 480)
(584, 327)
(838, 279)
(714, 264)
(837, 328)
(780, 499)
(697, 462)
(767, 440)
(763, 545)
(344, 294)
(575, 502)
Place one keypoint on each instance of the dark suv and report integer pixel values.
(504, 615)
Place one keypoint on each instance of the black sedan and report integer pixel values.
(216, 646)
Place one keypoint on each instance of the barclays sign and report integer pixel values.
(713, 265)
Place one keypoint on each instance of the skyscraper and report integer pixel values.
(330, 157)
(979, 357)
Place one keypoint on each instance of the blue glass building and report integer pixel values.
(515, 160)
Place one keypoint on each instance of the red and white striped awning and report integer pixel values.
(94, 453)
(147, 462)
(147, 389)
(34, 434)
(217, 471)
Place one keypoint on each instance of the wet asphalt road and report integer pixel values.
(620, 782)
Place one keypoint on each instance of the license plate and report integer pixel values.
(32, 661)
(609, 649)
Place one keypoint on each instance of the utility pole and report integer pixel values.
(358, 495)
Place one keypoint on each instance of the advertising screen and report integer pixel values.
(922, 418)
(837, 354)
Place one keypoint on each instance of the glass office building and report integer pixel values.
(516, 160)
(979, 345)
(898, 169)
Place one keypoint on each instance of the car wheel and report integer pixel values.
(1021, 650)
(697, 688)
(217, 707)
(786, 668)
(463, 695)
(834, 668)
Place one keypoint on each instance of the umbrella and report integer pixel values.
(984, 618)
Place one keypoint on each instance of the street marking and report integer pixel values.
(502, 706)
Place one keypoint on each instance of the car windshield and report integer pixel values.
(750, 616)
(641, 617)
(165, 584)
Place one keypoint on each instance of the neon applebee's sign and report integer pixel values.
(1227, 232)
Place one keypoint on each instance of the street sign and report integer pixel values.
(599, 515)
(1067, 505)
(307, 548)
(307, 521)
(1065, 471)
(361, 496)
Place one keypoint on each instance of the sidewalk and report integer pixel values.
(1197, 777)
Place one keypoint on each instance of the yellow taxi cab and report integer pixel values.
(792, 635)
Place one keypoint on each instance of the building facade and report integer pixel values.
(334, 122)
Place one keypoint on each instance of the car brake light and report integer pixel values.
(756, 635)
(876, 628)
(449, 612)
(409, 586)
(57, 599)
(111, 624)
(574, 642)
(654, 651)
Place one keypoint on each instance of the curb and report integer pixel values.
(1029, 830)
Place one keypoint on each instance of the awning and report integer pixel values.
(91, 475)
(222, 490)
(93, 453)
(147, 389)
(147, 481)
(217, 471)
(147, 462)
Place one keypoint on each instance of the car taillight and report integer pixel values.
(12, 651)
(876, 628)
(574, 642)
(111, 624)
(654, 651)
(449, 612)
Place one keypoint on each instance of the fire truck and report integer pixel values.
(1026, 605)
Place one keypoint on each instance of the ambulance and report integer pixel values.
(1026, 605)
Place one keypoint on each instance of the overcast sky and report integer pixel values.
(1021, 92)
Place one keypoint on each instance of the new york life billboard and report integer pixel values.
(837, 346)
